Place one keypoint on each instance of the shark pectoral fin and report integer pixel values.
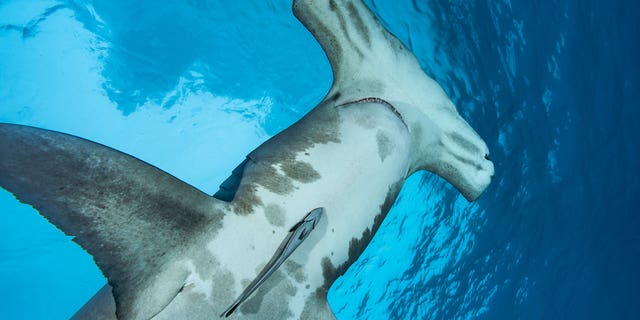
(297, 234)
(130, 216)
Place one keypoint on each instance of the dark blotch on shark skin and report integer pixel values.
(210, 269)
(334, 97)
(384, 145)
(314, 24)
(246, 199)
(295, 271)
(300, 171)
(321, 125)
(463, 143)
(201, 305)
(356, 246)
(468, 162)
(329, 272)
(272, 180)
(359, 23)
(333, 6)
(343, 27)
(270, 301)
(316, 307)
(275, 214)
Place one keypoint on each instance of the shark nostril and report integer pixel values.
(486, 156)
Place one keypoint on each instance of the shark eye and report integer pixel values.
(486, 156)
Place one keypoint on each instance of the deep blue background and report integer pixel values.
(568, 203)
(551, 86)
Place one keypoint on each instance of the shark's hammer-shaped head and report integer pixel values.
(444, 143)
(368, 61)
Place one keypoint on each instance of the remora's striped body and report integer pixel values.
(171, 252)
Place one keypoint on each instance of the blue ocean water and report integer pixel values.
(551, 86)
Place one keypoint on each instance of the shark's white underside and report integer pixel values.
(372, 157)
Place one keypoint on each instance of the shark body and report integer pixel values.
(290, 219)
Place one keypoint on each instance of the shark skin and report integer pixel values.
(170, 251)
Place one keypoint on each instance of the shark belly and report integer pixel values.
(368, 161)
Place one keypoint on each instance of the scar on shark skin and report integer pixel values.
(375, 100)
